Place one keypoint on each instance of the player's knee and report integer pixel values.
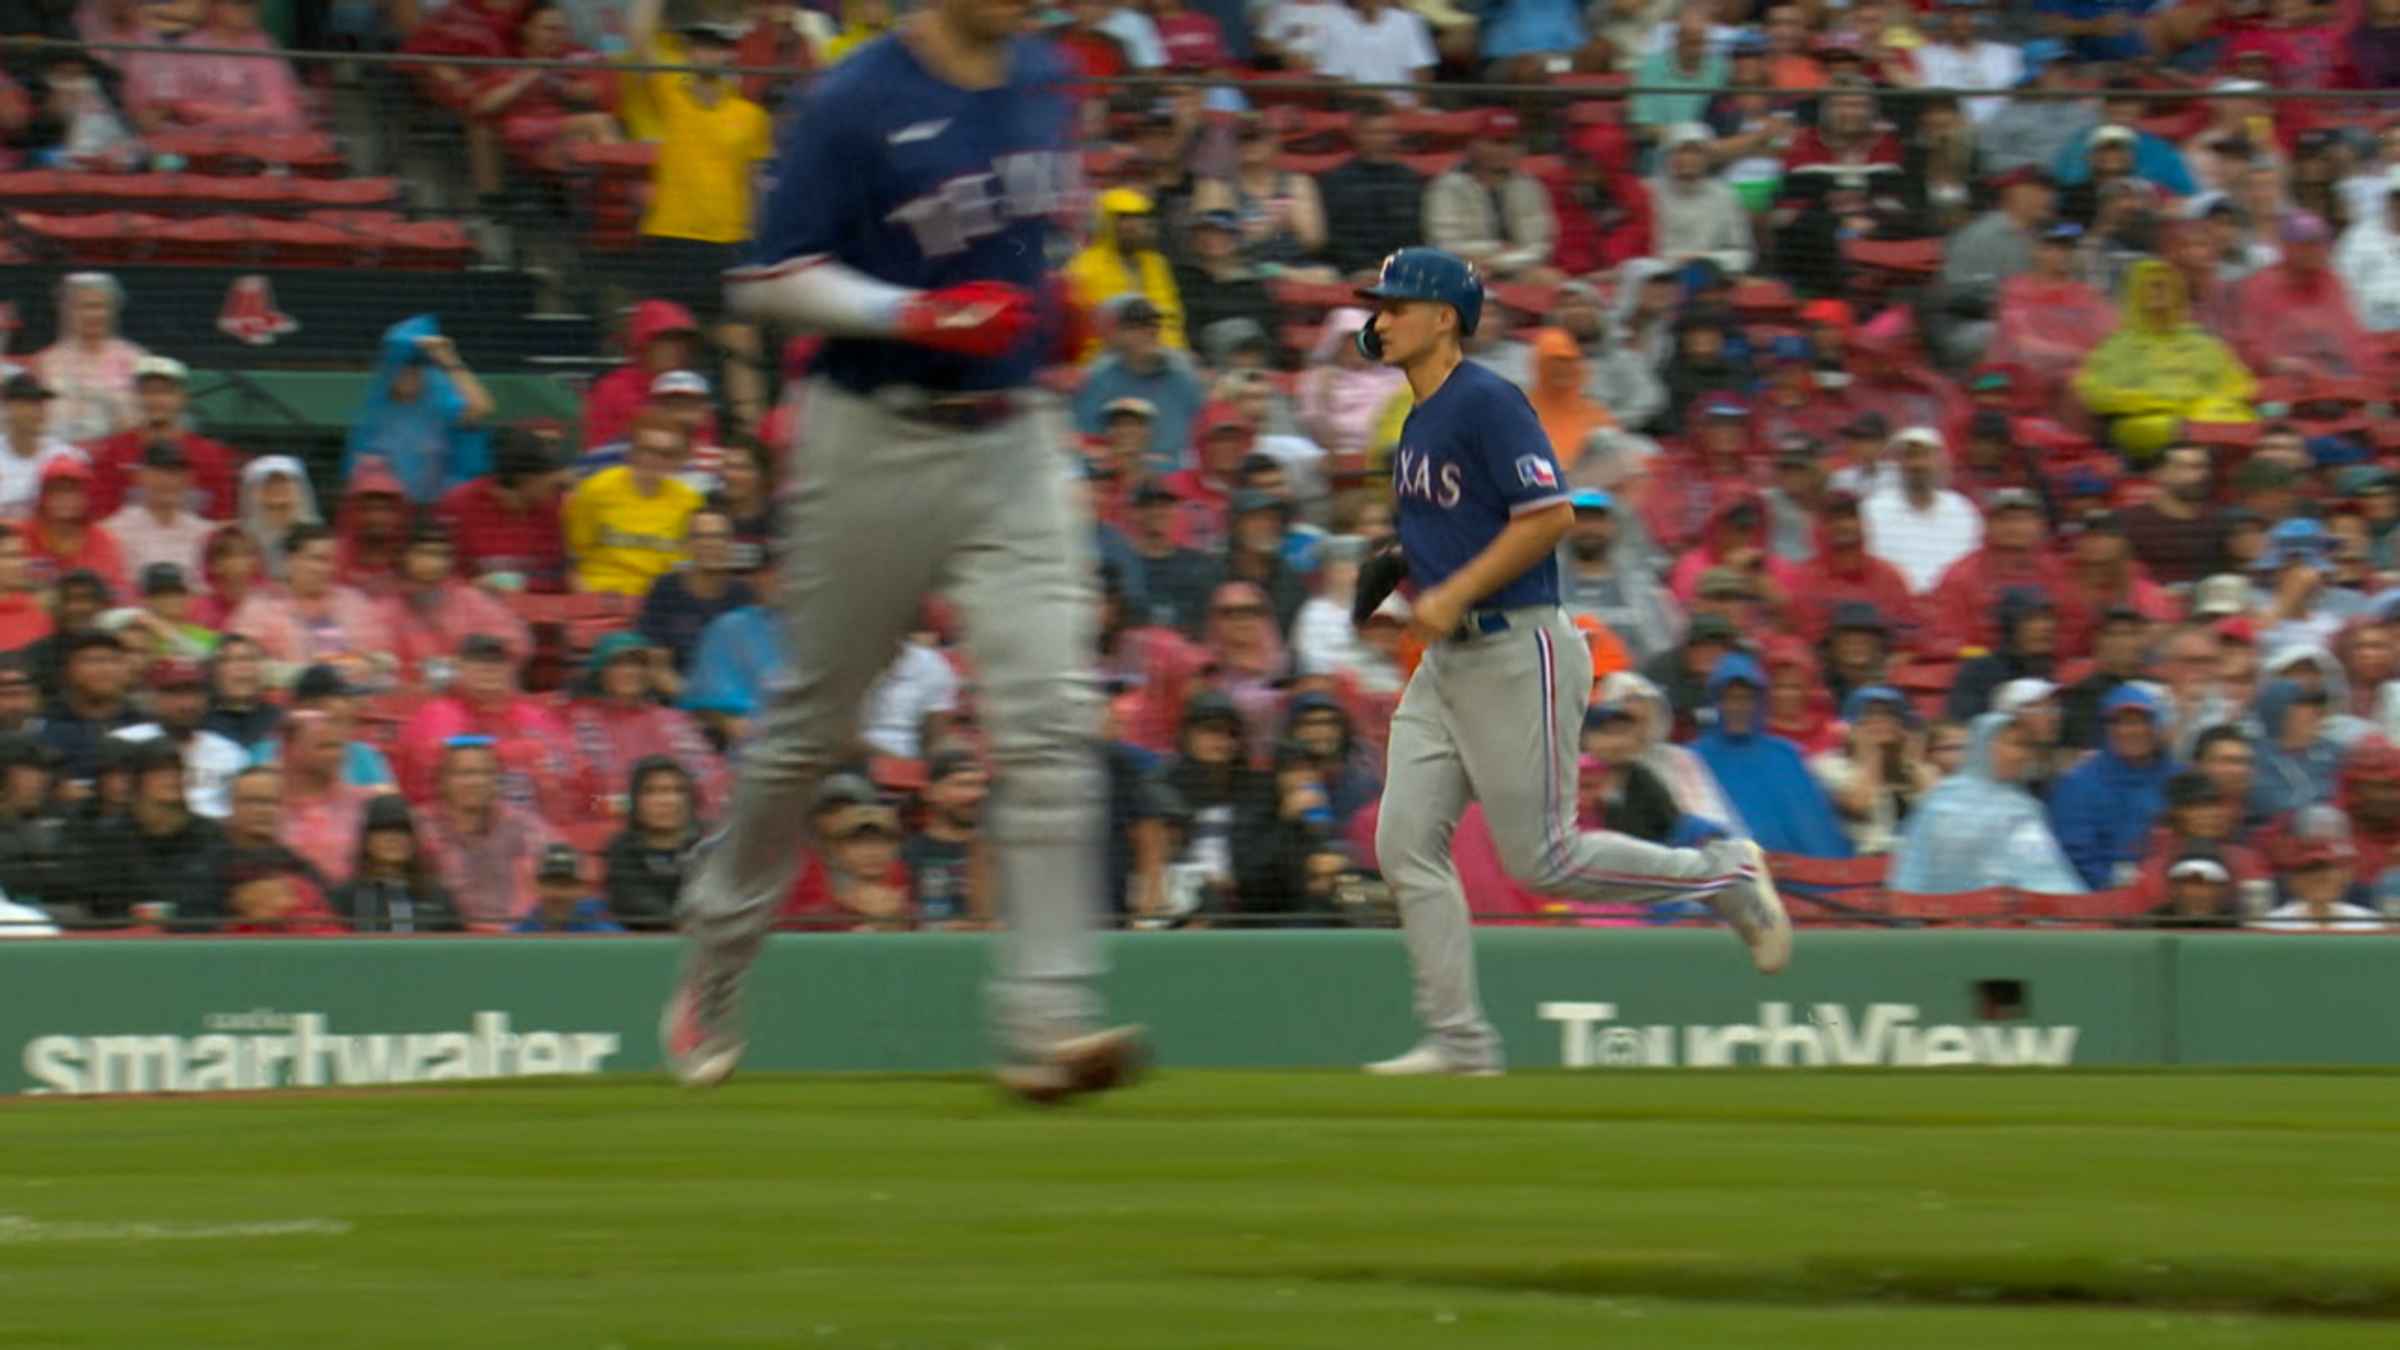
(1531, 864)
(1406, 837)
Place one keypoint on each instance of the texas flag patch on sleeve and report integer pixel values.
(1535, 471)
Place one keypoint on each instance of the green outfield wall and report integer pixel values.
(220, 1015)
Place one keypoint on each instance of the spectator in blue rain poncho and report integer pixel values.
(1763, 774)
(424, 413)
(2103, 809)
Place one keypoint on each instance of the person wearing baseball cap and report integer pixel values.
(165, 595)
(483, 701)
(563, 901)
(158, 523)
(1925, 526)
(1996, 246)
(1140, 364)
(433, 611)
(178, 702)
(2317, 882)
(1841, 573)
(2016, 552)
(1594, 581)
(26, 445)
(161, 398)
(2294, 316)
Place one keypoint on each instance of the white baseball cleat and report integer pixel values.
(1429, 1060)
(700, 1029)
(1754, 909)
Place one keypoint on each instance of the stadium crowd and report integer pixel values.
(1992, 491)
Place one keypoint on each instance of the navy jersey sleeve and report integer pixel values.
(820, 191)
(1520, 468)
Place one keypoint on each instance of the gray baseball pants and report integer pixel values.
(888, 509)
(1499, 719)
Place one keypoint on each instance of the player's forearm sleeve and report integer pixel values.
(819, 295)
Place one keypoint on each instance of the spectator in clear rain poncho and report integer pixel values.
(1979, 828)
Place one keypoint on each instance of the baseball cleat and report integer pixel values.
(1754, 909)
(700, 1029)
(1095, 1062)
(1429, 1060)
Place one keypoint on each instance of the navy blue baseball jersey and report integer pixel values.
(1472, 457)
(896, 173)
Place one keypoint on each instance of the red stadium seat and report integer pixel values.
(1830, 873)
(425, 244)
(1983, 906)
(342, 192)
(1310, 297)
(1907, 257)
(1430, 130)
(116, 236)
(1529, 300)
(1311, 165)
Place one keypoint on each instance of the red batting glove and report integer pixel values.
(978, 318)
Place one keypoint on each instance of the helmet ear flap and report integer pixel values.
(1368, 341)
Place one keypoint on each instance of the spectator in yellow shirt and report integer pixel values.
(710, 142)
(625, 526)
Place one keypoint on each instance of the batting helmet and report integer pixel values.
(1425, 274)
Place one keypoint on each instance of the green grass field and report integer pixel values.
(1895, 1211)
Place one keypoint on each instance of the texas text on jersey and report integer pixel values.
(1471, 457)
(910, 179)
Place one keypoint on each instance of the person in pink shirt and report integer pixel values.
(310, 619)
(431, 611)
(1736, 537)
(613, 722)
(321, 812)
(158, 524)
(484, 849)
(250, 95)
(370, 528)
(528, 744)
(230, 569)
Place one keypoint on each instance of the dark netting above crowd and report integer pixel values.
(2000, 395)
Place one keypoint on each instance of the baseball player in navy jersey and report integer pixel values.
(1494, 711)
(911, 221)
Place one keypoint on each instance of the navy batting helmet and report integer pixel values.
(1425, 274)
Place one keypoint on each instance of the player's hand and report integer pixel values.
(977, 318)
(1437, 613)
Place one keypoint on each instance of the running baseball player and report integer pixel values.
(1494, 710)
(910, 220)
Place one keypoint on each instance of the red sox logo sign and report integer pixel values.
(250, 315)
